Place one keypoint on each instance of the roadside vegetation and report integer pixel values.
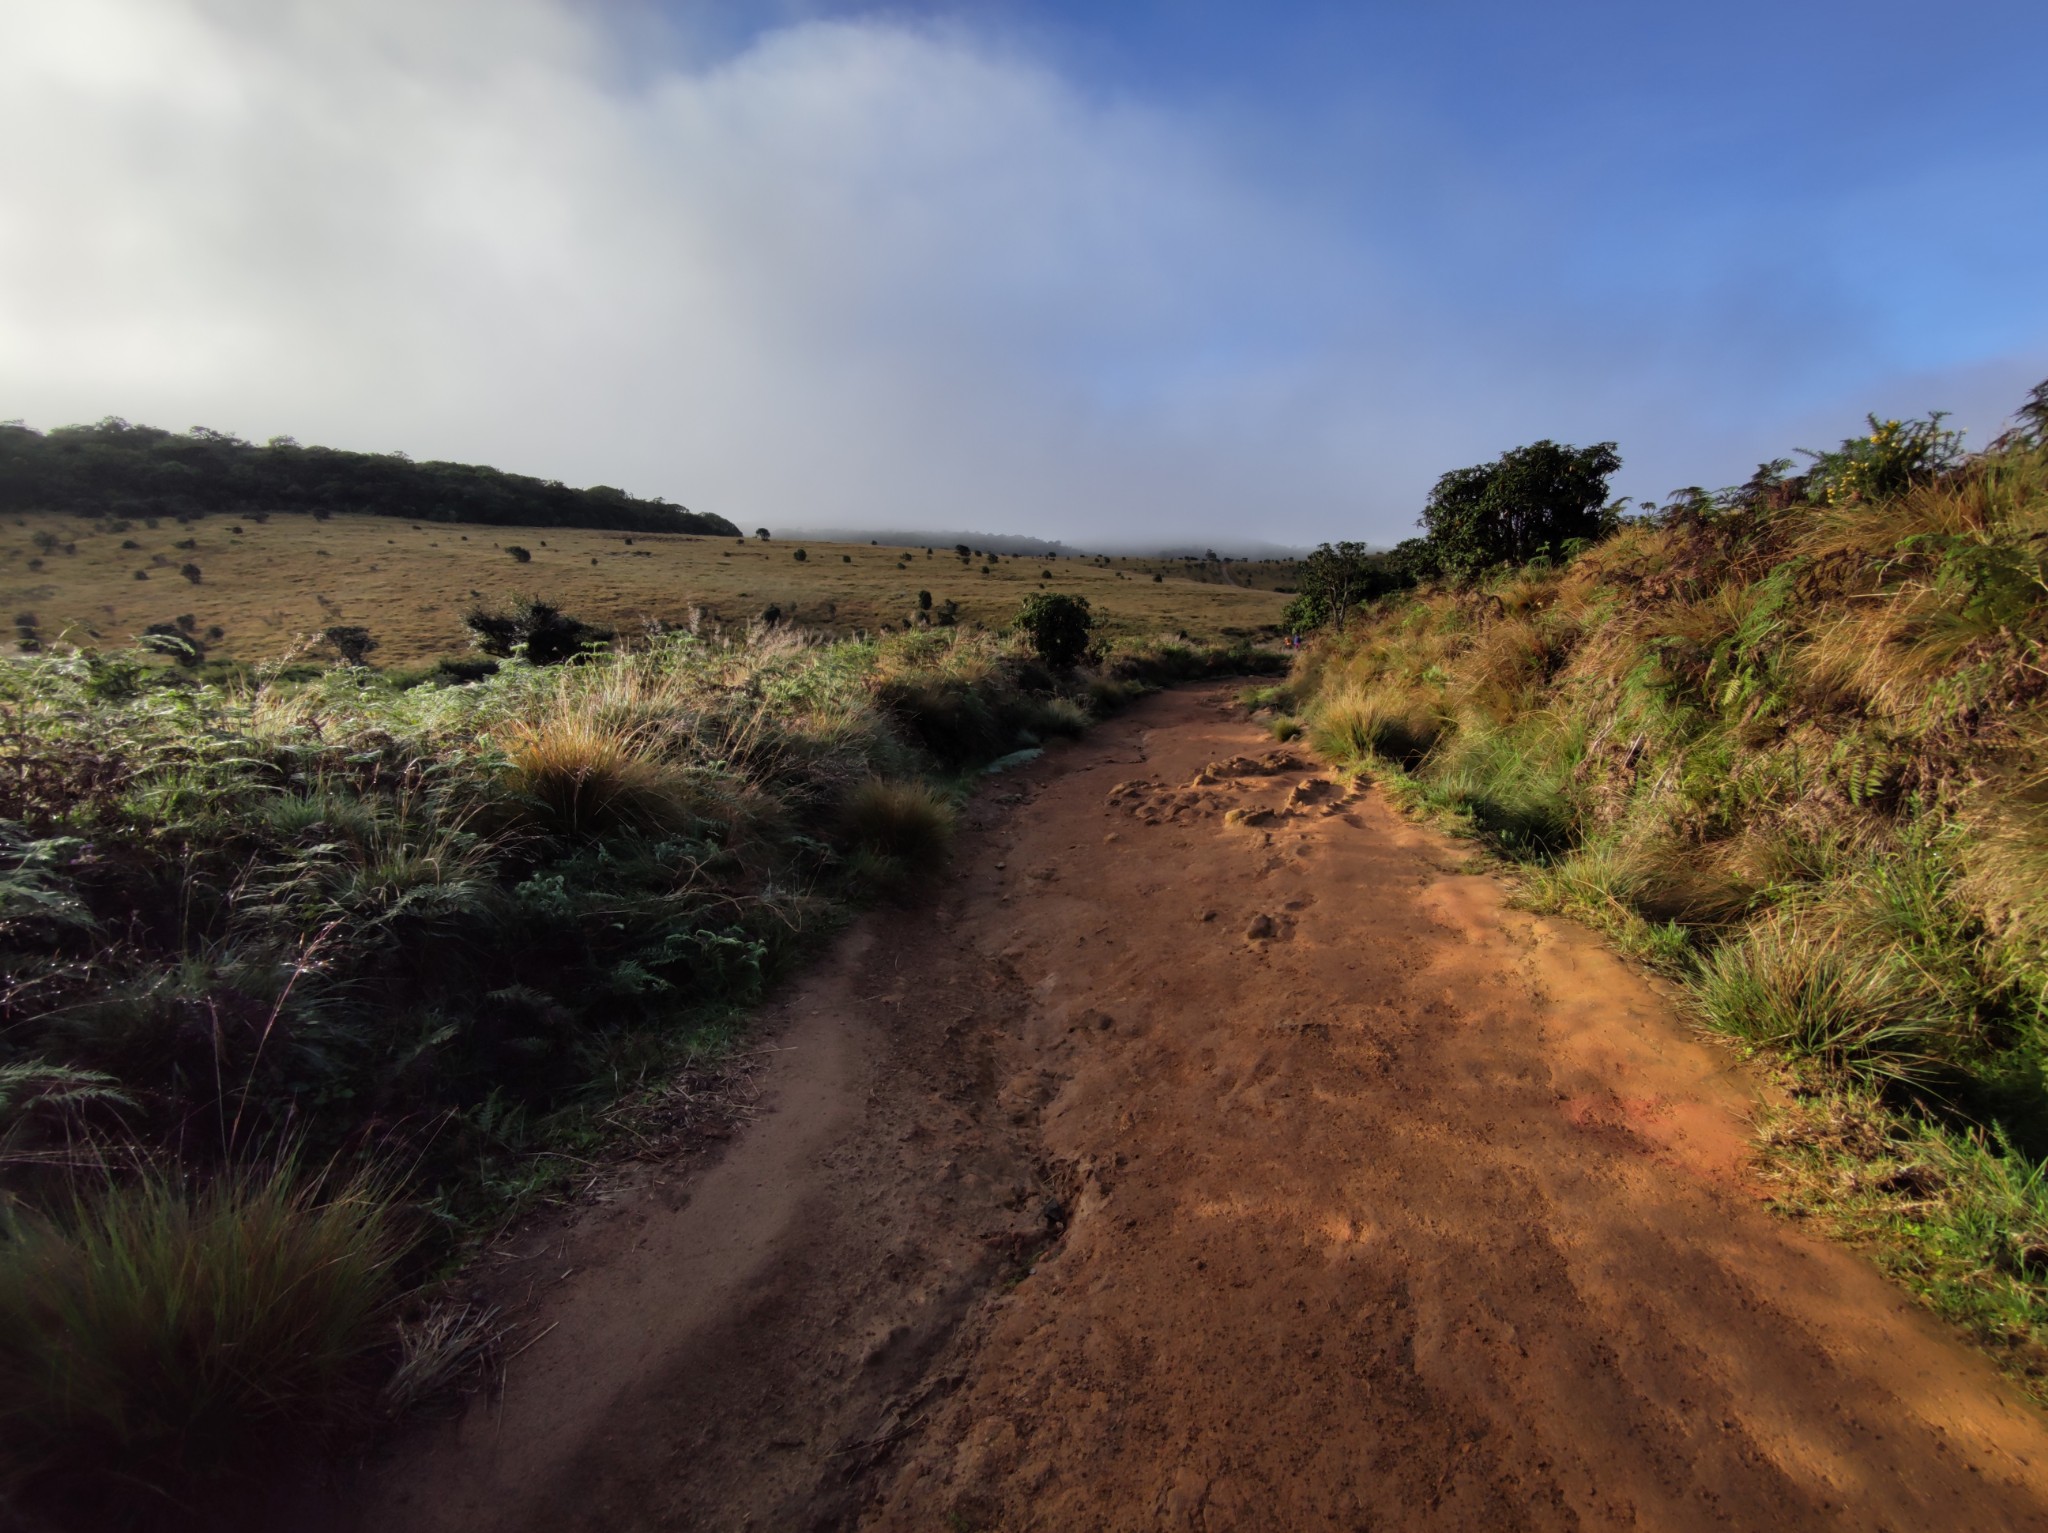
(1788, 743)
(311, 979)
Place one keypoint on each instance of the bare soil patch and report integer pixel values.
(1214, 1153)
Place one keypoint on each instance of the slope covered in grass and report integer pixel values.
(117, 469)
(1790, 744)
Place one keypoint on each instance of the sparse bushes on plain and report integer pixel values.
(351, 641)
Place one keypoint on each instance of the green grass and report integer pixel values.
(1809, 994)
(1794, 754)
(153, 1336)
(1959, 1216)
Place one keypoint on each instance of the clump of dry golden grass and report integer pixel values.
(1388, 723)
(579, 775)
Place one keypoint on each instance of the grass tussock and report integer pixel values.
(1789, 745)
(1385, 724)
(1813, 995)
(577, 775)
(153, 1335)
(905, 827)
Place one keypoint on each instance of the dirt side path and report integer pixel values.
(1215, 1155)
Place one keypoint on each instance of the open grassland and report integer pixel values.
(271, 586)
(1792, 749)
(303, 980)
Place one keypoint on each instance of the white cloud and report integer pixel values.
(855, 273)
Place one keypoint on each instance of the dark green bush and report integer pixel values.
(535, 631)
(1058, 626)
(351, 642)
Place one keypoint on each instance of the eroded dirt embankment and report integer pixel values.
(1213, 1154)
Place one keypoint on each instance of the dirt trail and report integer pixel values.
(1213, 1154)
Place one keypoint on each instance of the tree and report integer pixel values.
(800, 556)
(1339, 576)
(1058, 626)
(761, 533)
(1414, 560)
(924, 601)
(1532, 501)
(351, 642)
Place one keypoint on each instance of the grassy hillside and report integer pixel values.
(303, 980)
(114, 469)
(1790, 745)
(269, 586)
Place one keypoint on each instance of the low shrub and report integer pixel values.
(535, 631)
(948, 716)
(1057, 625)
(1059, 716)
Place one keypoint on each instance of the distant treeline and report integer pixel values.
(116, 469)
(1008, 544)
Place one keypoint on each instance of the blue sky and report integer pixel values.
(1115, 272)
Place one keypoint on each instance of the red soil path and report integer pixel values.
(1212, 1153)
